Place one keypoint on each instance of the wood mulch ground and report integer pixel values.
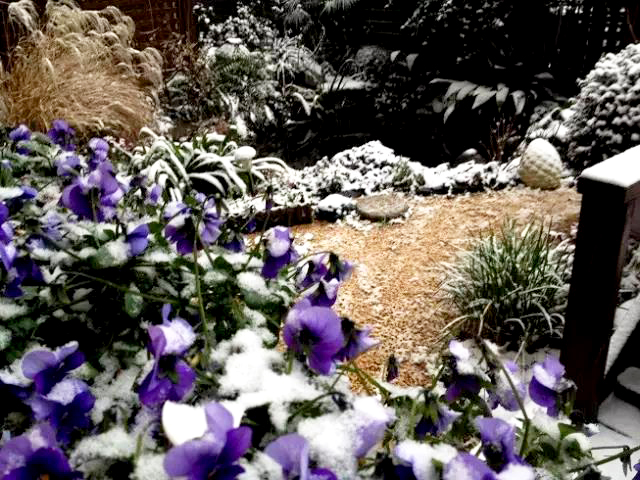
(395, 287)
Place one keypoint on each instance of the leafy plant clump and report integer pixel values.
(509, 285)
(78, 65)
(139, 340)
(607, 109)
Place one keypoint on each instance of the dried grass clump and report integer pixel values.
(78, 65)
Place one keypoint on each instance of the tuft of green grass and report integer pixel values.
(509, 285)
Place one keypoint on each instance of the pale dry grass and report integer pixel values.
(396, 285)
(79, 66)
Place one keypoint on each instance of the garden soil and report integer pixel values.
(395, 287)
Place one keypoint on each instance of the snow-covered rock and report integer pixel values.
(334, 206)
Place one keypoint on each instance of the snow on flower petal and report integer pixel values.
(547, 383)
(182, 422)
(46, 367)
(137, 239)
(34, 455)
(214, 454)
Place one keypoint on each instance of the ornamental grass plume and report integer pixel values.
(78, 65)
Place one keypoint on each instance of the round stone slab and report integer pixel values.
(381, 207)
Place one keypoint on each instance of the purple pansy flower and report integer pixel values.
(155, 192)
(34, 455)
(312, 271)
(435, 420)
(6, 230)
(357, 341)
(636, 467)
(66, 407)
(279, 252)
(315, 333)
(46, 367)
(214, 455)
(24, 271)
(292, 453)
(8, 254)
(233, 242)
(67, 163)
(94, 197)
(21, 134)
(465, 465)
(99, 152)
(547, 384)
(392, 368)
(62, 134)
(371, 423)
(325, 294)
(137, 239)
(503, 393)
(181, 228)
(498, 442)
(19, 196)
(464, 379)
(338, 269)
(171, 377)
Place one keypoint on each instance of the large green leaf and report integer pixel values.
(133, 303)
(483, 95)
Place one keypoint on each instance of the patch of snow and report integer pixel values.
(113, 444)
(9, 309)
(150, 467)
(421, 457)
(254, 282)
(182, 422)
(251, 378)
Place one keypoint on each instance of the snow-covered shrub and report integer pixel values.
(509, 284)
(209, 164)
(255, 32)
(607, 109)
(143, 346)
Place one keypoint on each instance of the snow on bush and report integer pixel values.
(607, 109)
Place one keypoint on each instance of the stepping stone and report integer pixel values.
(380, 208)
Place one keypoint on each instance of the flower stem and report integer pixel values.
(205, 324)
(516, 394)
(624, 453)
(153, 298)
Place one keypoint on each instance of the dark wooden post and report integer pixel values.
(609, 192)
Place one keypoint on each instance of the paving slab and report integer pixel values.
(381, 207)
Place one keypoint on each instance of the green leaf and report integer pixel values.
(501, 95)
(566, 429)
(411, 59)
(454, 88)
(133, 303)
(519, 100)
(221, 264)
(483, 95)
(103, 258)
(465, 90)
(449, 111)
(394, 55)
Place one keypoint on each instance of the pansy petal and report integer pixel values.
(238, 442)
